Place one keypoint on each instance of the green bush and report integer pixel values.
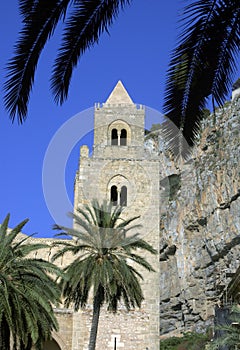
(189, 341)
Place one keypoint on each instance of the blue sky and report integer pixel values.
(136, 52)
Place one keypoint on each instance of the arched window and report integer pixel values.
(114, 137)
(114, 195)
(123, 196)
(123, 137)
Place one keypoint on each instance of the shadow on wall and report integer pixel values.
(51, 345)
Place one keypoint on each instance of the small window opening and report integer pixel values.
(114, 137)
(123, 196)
(123, 137)
(114, 195)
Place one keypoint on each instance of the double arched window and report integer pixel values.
(118, 196)
(119, 137)
(119, 133)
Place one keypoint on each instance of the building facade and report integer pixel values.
(122, 172)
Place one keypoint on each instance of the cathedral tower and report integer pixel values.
(121, 171)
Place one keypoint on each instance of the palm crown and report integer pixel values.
(27, 292)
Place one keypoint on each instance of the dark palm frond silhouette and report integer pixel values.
(84, 22)
(203, 63)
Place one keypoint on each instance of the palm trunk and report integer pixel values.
(96, 312)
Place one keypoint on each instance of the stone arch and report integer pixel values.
(122, 131)
(55, 344)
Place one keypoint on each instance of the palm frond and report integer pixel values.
(141, 244)
(4, 227)
(126, 222)
(84, 213)
(141, 261)
(26, 7)
(196, 68)
(174, 141)
(38, 26)
(228, 52)
(88, 20)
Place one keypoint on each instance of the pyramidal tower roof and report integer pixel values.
(119, 95)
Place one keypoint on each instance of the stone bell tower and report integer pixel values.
(120, 170)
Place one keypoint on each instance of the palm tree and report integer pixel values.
(27, 292)
(103, 249)
(202, 64)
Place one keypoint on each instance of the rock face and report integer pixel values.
(200, 226)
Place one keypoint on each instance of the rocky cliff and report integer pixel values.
(200, 225)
